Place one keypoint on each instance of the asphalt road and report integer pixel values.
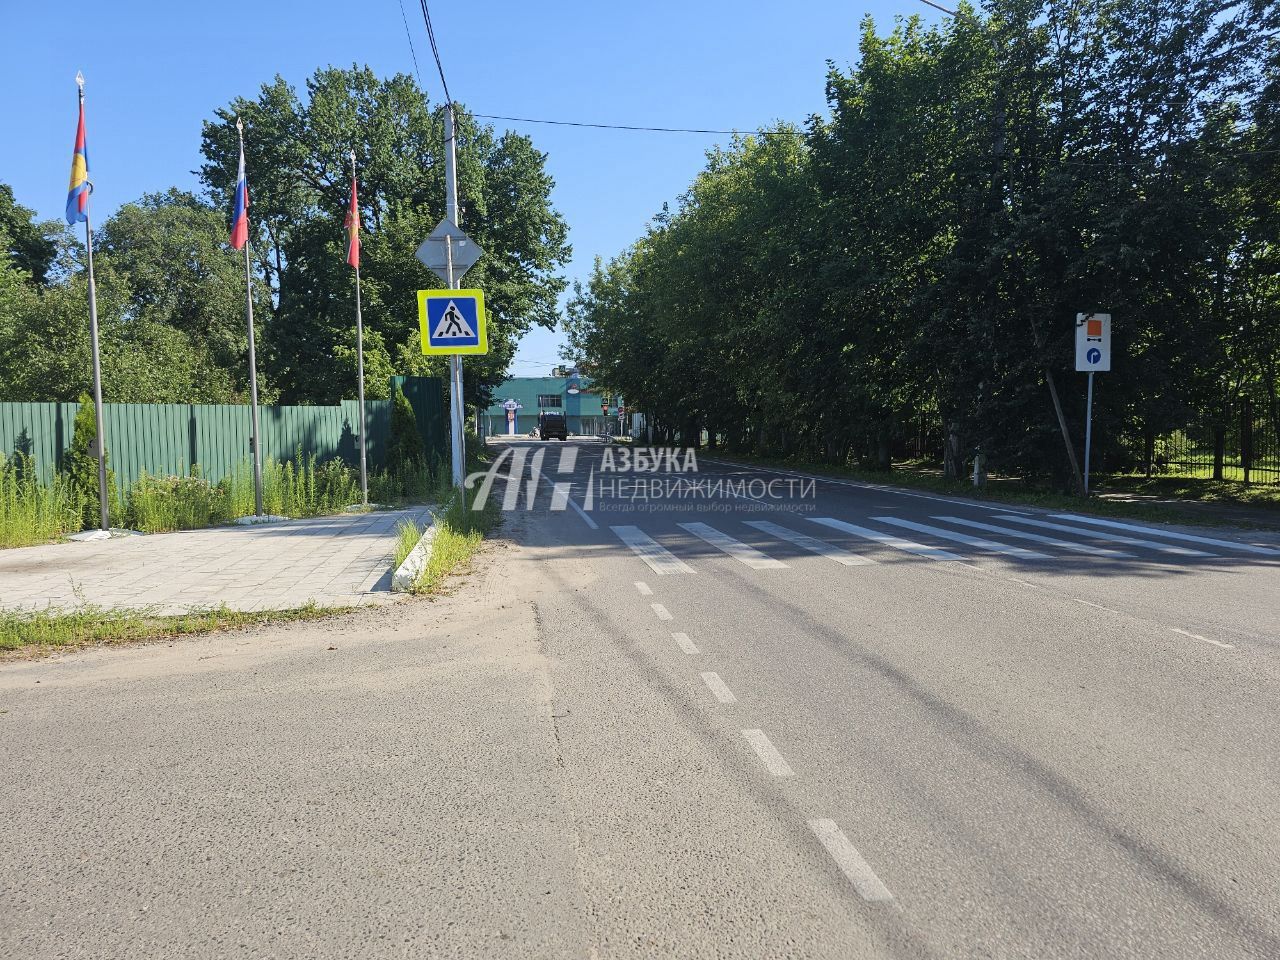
(734, 720)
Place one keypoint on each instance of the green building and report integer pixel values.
(570, 395)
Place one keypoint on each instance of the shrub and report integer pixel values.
(81, 467)
(406, 447)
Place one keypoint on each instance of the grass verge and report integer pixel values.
(88, 625)
(460, 529)
(918, 476)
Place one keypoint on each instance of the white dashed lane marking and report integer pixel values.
(812, 544)
(685, 644)
(644, 588)
(768, 754)
(910, 546)
(658, 557)
(850, 861)
(989, 546)
(662, 612)
(718, 688)
(740, 551)
(1096, 606)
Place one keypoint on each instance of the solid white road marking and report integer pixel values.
(1036, 538)
(1196, 636)
(560, 495)
(1025, 583)
(910, 546)
(1098, 535)
(768, 754)
(644, 588)
(662, 612)
(718, 688)
(989, 545)
(850, 861)
(1096, 606)
(740, 551)
(1190, 538)
(662, 560)
(812, 544)
(685, 643)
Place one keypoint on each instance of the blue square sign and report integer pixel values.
(452, 322)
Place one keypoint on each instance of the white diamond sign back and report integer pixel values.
(445, 241)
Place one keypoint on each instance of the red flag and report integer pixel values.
(353, 228)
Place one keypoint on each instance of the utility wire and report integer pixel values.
(435, 51)
(409, 36)
(622, 126)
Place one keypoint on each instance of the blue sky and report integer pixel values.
(155, 70)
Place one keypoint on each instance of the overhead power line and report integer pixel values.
(623, 126)
(435, 50)
(409, 36)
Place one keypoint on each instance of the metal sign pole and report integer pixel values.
(455, 362)
(1088, 433)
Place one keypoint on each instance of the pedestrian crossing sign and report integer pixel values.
(452, 322)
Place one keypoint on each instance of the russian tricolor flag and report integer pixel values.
(240, 211)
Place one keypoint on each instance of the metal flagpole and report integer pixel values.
(364, 469)
(104, 519)
(455, 362)
(1088, 433)
(253, 363)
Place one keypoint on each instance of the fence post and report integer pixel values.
(1219, 449)
(1246, 437)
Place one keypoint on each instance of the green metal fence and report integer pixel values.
(167, 439)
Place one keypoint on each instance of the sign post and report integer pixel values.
(1093, 355)
(450, 253)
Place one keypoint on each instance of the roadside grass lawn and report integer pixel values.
(89, 625)
(918, 475)
(460, 529)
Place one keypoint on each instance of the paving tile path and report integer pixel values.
(341, 560)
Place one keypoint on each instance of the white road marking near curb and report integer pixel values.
(1097, 534)
(910, 546)
(1036, 538)
(850, 861)
(1191, 538)
(685, 643)
(718, 688)
(740, 551)
(989, 545)
(1196, 636)
(644, 588)
(768, 754)
(662, 612)
(1096, 606)
(812, 544)
(662, 560)
(1025, 583)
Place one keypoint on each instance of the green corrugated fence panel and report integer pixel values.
(165, 439)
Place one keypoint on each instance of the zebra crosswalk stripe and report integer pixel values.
(812, 544)
(658, 557)
(909, 546)
(1190, 538)
(990, 546)
(1036, 538)
(740, 551)
(1111, 537)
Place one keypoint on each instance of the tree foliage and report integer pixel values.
(907, 271)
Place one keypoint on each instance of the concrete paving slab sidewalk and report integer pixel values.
(342, 560)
